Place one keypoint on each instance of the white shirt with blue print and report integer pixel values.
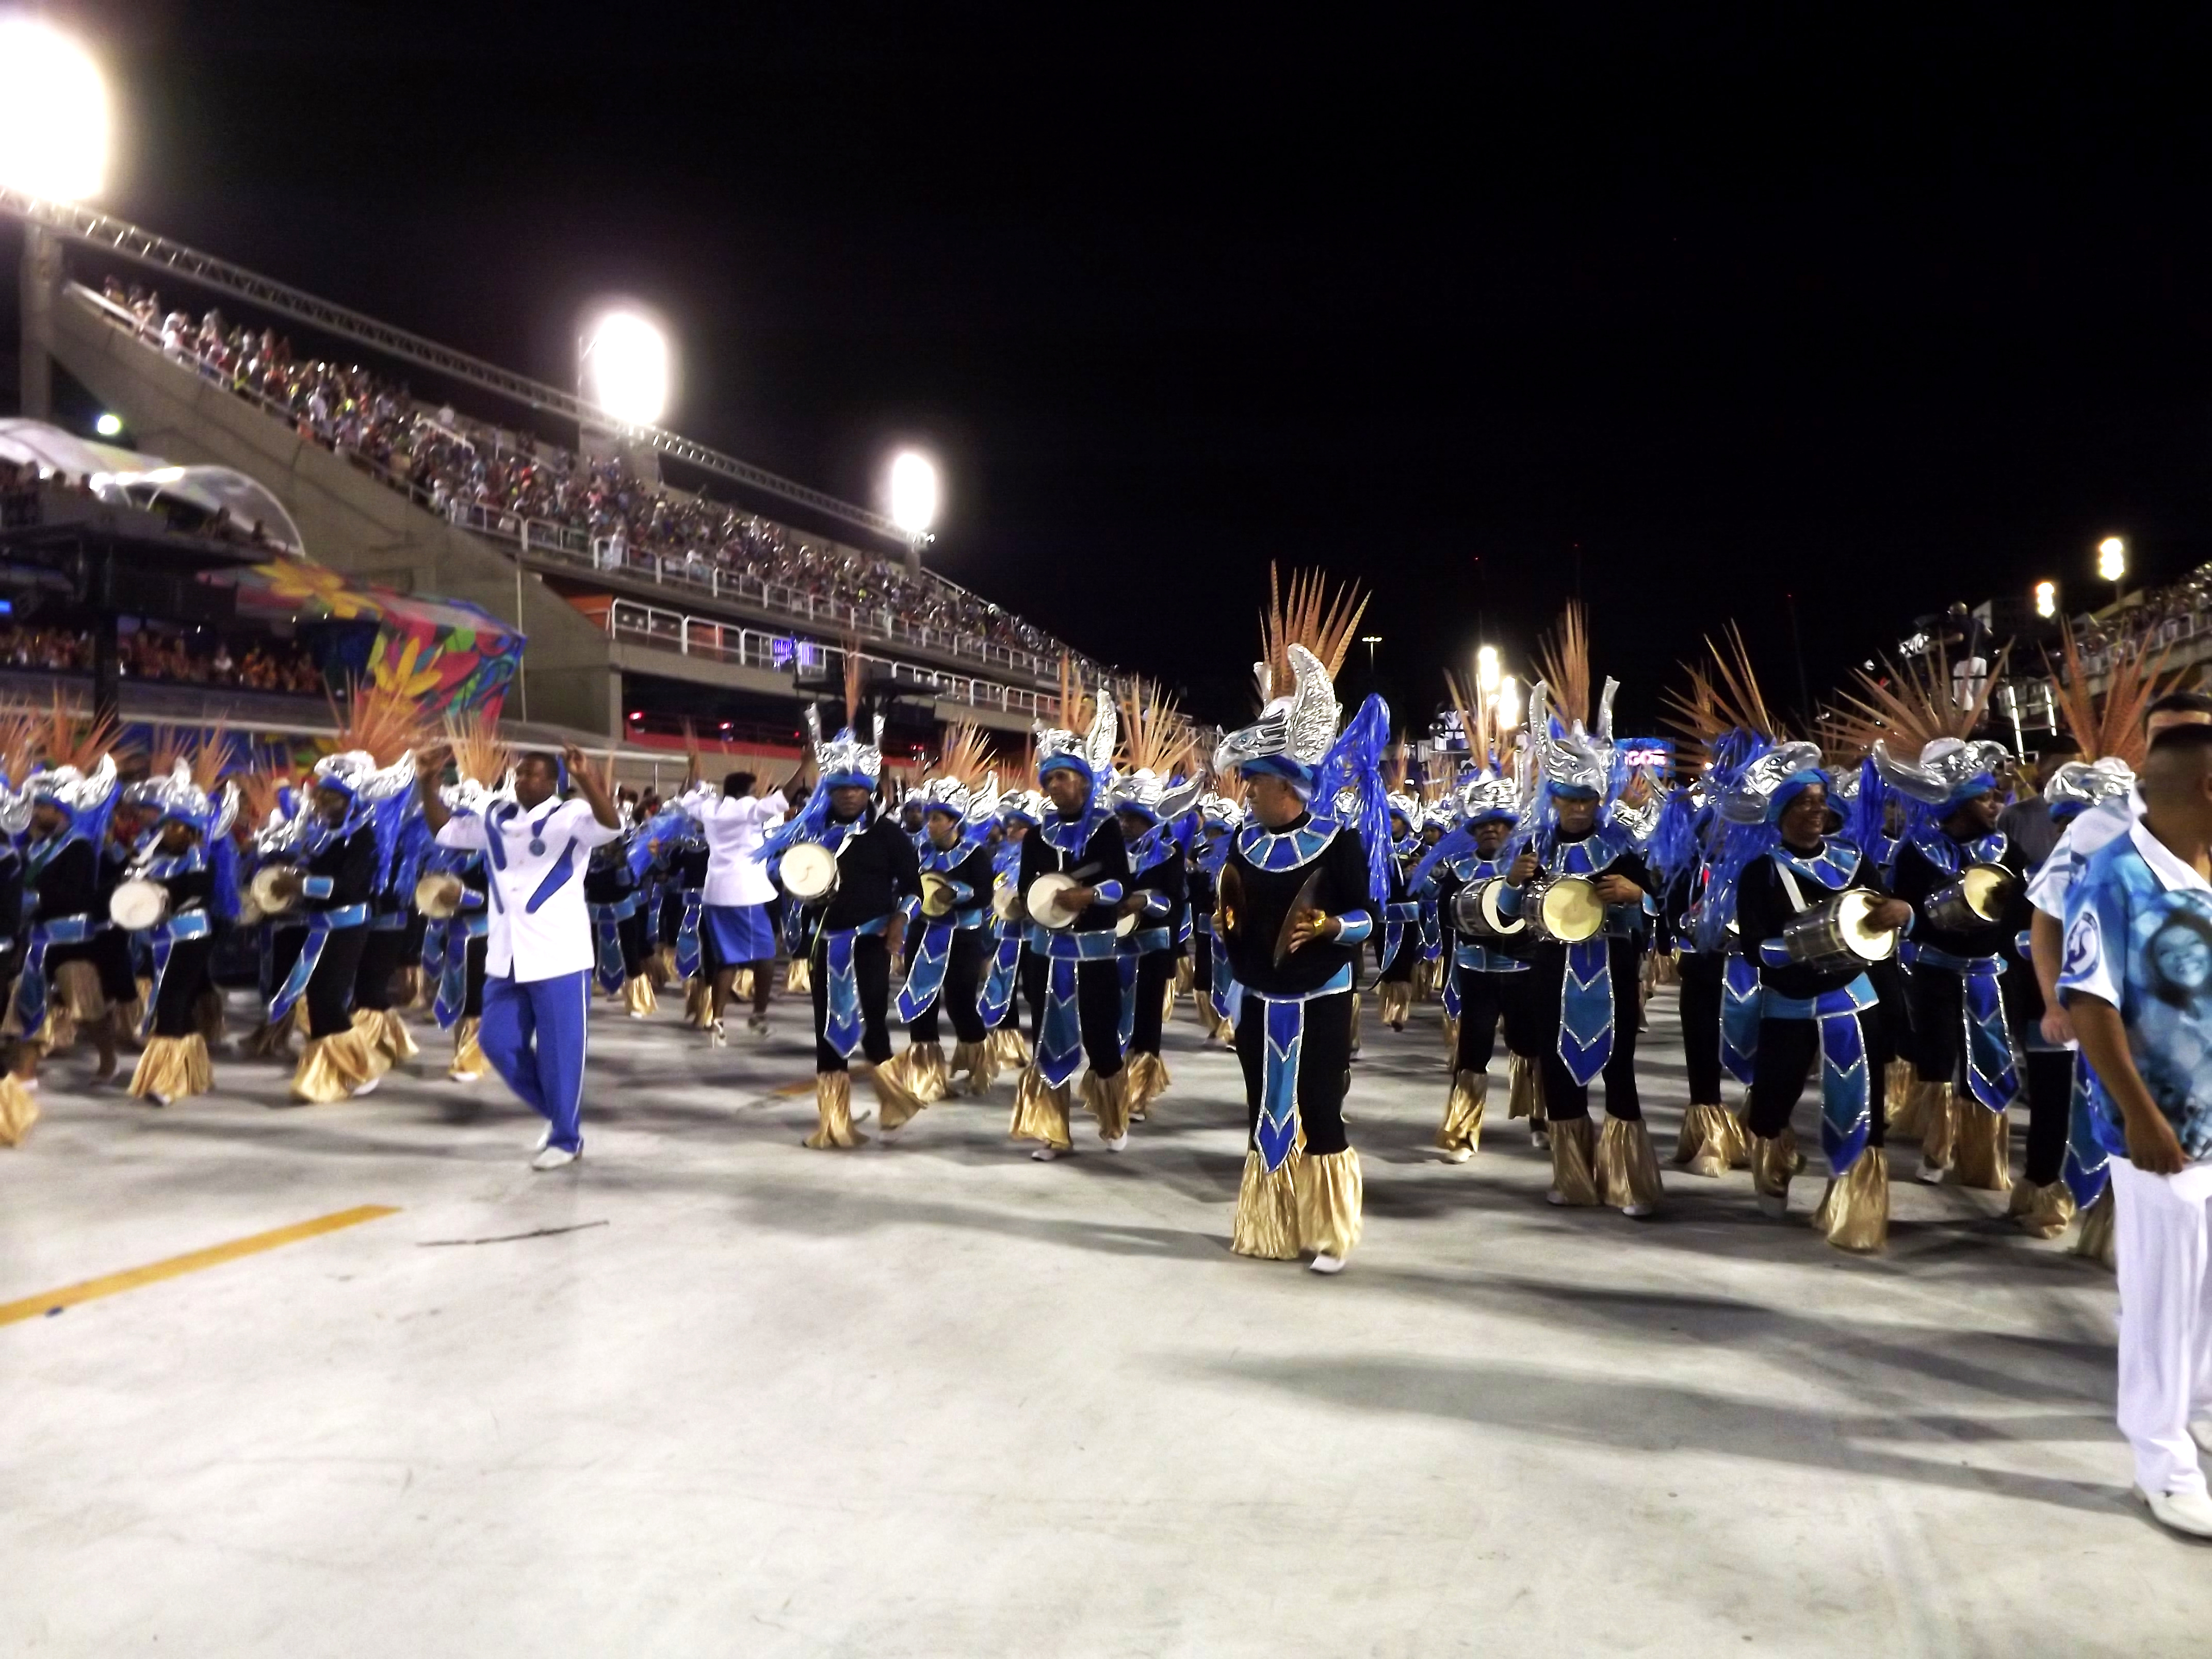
(538, 927)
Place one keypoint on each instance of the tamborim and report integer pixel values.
(137, 905)
(1838, 932)
(267, 888)
(1045, 909)
(1563, 910)
(1006, 901)
(937, 898)
(1125, 925)
(809, 871)
(1977, 899)
(438, 896)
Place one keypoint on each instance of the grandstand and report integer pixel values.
(643, 601)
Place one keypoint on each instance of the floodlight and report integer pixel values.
(1509, 702)
(109, 425)
(1485, 669)
(913, 493)
(2112, 558)
(626, 368)
(2046, 599)
(53, 112)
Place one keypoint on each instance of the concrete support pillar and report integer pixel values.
(41, 282)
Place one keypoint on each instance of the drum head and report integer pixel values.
(1572, 910)
(1005, 901)
(1044, 899)
(1853, 913)
(1494, 919)
(264, 885)
(439, 896)
(1986, 887)
(1125, 925)
(809, 870)
(138, 904)
(936, 893)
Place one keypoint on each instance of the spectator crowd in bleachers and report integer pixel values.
(450, 461)
(170, 658)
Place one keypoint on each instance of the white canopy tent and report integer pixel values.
(124, 475)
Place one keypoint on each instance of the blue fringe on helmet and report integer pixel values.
(1356, 763)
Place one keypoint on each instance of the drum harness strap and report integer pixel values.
(1846, 1097)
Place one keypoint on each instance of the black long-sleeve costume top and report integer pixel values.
(1104, 859)
(1763, 909)
(1166, 888)
(1260, 900)
(348, 864)
(66, 884)
(876, 869)
(1624, 924)
(1916, 877)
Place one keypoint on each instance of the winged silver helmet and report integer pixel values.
(845, 755)
(1576, 759)
(2085, 783)
(1094, 747)
(1301, 722)
(1946, 771)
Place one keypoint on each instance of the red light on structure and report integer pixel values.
(637, 713)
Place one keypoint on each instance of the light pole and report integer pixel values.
(913, 502)
(1371, 641)
(53, 144)
(2046, 599)
(2113, 564)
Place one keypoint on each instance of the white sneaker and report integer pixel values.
(1325, 1263)
(553, 1158)
(716, 1036)
(2187, 1512)
(1775, 1204)
(2200, 1432)
(366, 1088)
(465, 1077)
(160, 1099)
(1637, 1212)
(544, 1139)
(1119, 1143)
(1045, 1154)
(1539, 1139)
(757, 1025)
(1930, 1171)
(1459, 1154)
(1555, 1196)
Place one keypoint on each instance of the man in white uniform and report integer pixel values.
(539, 951)
(734, 919)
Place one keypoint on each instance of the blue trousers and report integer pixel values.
(533, 1036)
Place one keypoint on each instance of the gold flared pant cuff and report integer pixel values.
(1424, 979)
(392, 1037)
(1462, 1124)
(2096, 1239)
(926, 1073)
(1853, 1212)
(333, 1067)
(698, 1003)
(1267, 1220)
(1574, 1158)
(173, 1067)
(1168, 1001)
(638, 998)
(833, 1103)
(2041, 1212)
(1524, 1089)
(1982, 1155)
(1897, 1080)
(1394, 1000)
(1186, 977)
(1108, 1100)
(661, 965)
(897, 1099)
(1923, 1113)
(741, 985)
(1040, 1111)
(799, 980)
(207, 1014)
(19, 1110)
(1008, 1046)
(1147, 1076)
(469, 1061)
(1328, 1187)
(1712, 1142)
(1627, 1165)
(73, 998)
(1773, 1160)
(368, 1026)
(976, 1061)
(1356, 1004)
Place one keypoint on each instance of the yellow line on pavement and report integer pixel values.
(34, 1307)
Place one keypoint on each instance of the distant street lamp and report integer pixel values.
(1509, 703)
(1486, 670)
(2046, 599)
(1371, 641)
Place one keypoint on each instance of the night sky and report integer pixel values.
(1693, 314)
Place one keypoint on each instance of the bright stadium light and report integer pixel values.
(2046, 599)
(914, 493)
(1485, 669)
(109, 425)
(626, 369)
(53, 112)
(2112, 558)
(1509, 703)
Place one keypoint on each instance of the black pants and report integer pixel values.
(330, 992)
(1324, 1069)
(2050, 1074)
(1700, 1008)
(175, 1005)
(1031, 977)
(280, 949)
(970, 955)
(630, 931)
(871, 968)
(382, 952)
(1154, 969)
(1098, 1008)
(1892, 985)
(1788, 1051)
(110, 950)
(472, 1000)
(1937, 998)
(1484, 1000)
